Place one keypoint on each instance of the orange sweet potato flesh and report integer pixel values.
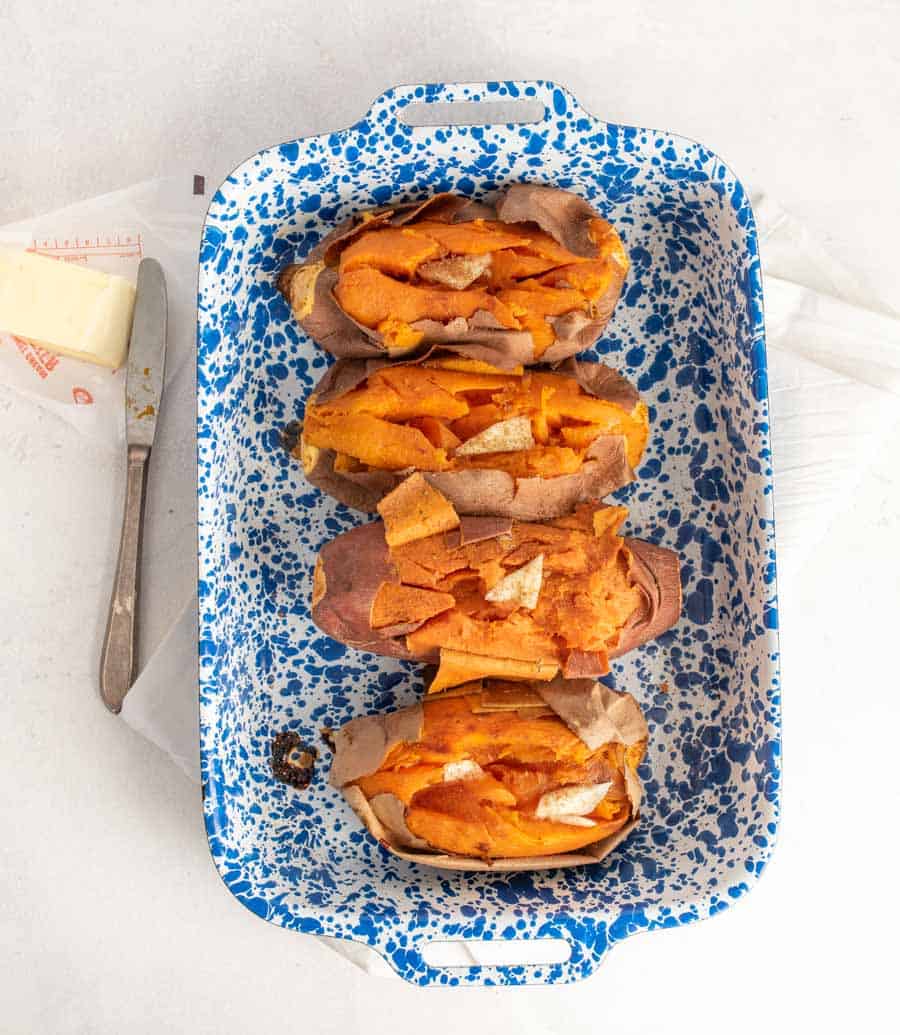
(409, 415)
(539, 462)
(395, 604)
(513, 264)
(414, 510)
(531, 303)
(437, 433)
(493, 815)
(458, 667)
(393, 251)
(531, 278)
(363, 436)
(373, 298)
(477, 237)
(586, 597)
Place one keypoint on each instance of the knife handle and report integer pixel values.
(118, 659)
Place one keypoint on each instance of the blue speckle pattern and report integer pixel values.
(689, 331)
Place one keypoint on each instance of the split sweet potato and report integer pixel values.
(496, 597)
(534, 276)
(498, 775)
(528, 444)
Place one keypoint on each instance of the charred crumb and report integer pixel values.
(292, 760)
(290, 435)
(327, 734)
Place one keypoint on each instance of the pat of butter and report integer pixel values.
(67, 309)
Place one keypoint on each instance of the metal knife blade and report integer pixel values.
(146, 355)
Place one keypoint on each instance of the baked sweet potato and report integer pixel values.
(492, 597)
(498, 775)
(534, 276)
(527, 444)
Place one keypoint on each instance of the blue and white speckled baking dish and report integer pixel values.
(689, 331)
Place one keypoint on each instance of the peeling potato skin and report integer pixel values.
(297, 284)
(479, 491)
(361, 491)
(657, 571)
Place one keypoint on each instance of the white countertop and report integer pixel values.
(112, 917)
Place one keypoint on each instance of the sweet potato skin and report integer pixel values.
(657, 572)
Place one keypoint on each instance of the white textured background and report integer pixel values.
(112, 918)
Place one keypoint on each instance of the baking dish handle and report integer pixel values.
(565, 951)
(507, 102)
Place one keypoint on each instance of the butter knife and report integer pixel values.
(143, 391)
